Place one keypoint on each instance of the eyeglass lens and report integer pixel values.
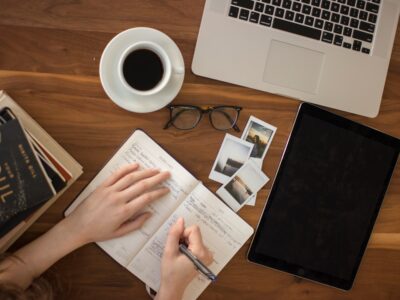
(185, 117)
(223, 118)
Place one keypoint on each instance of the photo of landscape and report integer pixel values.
(232, 157)
(238, 189)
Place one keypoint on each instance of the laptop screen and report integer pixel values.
(325, 198)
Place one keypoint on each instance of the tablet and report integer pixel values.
(325, 198)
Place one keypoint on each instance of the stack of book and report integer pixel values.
(34, 171)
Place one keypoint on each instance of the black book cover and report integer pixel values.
(14, 221)
(23, 185)
(6, 115)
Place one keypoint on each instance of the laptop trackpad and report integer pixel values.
(293, 67)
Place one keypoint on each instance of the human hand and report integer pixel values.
(177, 271)
(115, 207)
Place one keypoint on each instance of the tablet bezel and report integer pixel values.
(299, 270)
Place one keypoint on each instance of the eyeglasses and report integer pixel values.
(186, 117)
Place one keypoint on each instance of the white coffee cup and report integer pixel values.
(149, 97)
(168, 71)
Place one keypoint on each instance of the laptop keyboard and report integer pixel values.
(345, 23)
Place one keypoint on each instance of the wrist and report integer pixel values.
(69, 230)
(169, 293)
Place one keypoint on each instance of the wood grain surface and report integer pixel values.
(49, 57)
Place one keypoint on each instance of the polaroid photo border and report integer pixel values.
(239, 189)
(234, 152)
(260, 134)
(259, 161)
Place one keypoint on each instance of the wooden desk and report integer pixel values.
(49, 57)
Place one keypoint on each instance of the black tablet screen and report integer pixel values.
(326, 196)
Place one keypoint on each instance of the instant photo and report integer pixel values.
(260, 134)
(247, 181)
(234, 152)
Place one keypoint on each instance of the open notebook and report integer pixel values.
(140, 252)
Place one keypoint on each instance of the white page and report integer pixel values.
(142, 149)
(223, 232)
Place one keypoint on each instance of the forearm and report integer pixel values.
(107, 213)
(36, 257)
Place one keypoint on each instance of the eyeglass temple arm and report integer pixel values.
(167, 125)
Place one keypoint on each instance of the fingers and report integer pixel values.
(133, 224)
(131, 178)
(195, 243)
(117, 175)
(174, 236)
(144, 185)
(193, 236)
(143, 200)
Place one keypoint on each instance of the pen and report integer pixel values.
(199, 265)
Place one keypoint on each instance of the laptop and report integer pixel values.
(334, 53)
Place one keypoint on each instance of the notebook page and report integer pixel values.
(142, 149)
(223, 232)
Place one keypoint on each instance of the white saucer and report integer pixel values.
(112, 84)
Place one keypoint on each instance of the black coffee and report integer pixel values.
(143, 69)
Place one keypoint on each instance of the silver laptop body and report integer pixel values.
(244, 42)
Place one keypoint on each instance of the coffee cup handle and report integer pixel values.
(178, 70)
